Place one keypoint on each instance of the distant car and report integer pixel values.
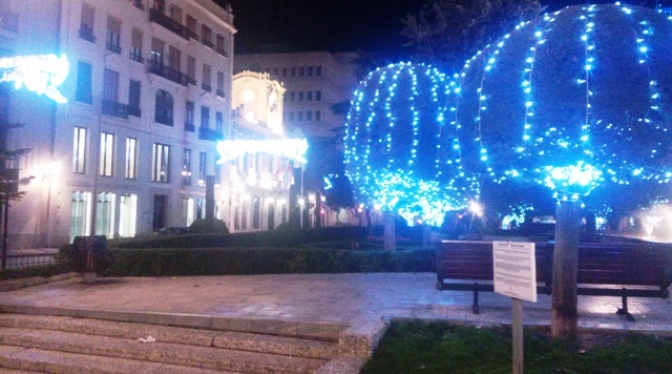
(172, 231)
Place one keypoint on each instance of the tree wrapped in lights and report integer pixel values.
(574, 100)
(394, 132)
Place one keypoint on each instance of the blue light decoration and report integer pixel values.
(400, 153)
(42, 74)
(575, 99)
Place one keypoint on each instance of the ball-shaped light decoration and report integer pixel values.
(571, 100)
(394, 131)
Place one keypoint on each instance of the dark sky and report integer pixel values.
(339, 25)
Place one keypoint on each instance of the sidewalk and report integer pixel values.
(330, 298)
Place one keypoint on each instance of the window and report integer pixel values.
(191, 69)
(186, 167)
(221, 45)
(300, 115)
(80, 214)
(105, 214)
(219, 122)
(302, 71)
(131, 170)
(293, 71)
(160, 5)
(111, 86)
(317, 115)
(158, 46)
(83, 92)
(191, 26)
(128, 211)
(292, 96)
(189, 120)
(318, 95)
(318, 71)
(134, 94)
(202, 167)
(207, 70)
(300, 95)
(206, 36)
(310, 71)
(220, 84)
(174, 58)
(309, 115)
(176, 13)
(160, 163)
(136, 45)
(106, 154)
(86, 23)
(205, 117)
(309, 96)
(291, 116)
(163, 113)
(284, 72)
(113, 35)
(276, 72)
(79, 150)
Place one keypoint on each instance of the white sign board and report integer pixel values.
(514, 267)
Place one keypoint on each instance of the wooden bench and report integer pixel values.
(625, 270)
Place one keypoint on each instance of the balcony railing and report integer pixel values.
(207, 43)
(221, 94)
(164, 120)
(134, 111)
(137, 56)
(157, 16)
(115, 109)
(155, 67)
(191, 80)
(222, 52)
(206, 87)
(86, 33)
(189, 127)
(193, 34)
(205, 133)
(116, 48)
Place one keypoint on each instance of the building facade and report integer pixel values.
(314, 81)
(148, 96)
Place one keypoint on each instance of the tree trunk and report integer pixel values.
(565, 263)
(390, 236)
(210, 202)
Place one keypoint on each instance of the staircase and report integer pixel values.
(51, 344)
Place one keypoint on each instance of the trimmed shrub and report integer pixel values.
(238, 261)
(200, 226)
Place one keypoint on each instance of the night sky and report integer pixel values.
(339, 25)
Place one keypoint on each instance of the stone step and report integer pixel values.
(18, 360)
(166, 334)
(170, 353)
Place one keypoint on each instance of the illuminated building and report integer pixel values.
(258, 158)
(314, 82)
(148, 98)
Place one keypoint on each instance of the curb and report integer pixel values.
(17, 284)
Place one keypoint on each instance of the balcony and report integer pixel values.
(207, 43)
(134, 111)
(157, 16)
(113, 47)
(86, 33)
(189, 127)
(222, 52)
(206, 87)
(191, 80)
(221, 94)
(137, 56)
(205, 133)
(155, 67)
(115, 109)
(193, 34)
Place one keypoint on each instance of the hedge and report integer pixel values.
(264, 239)
(238, 261)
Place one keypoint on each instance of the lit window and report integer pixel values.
(160, 163)
(202, 167)
(186, 167)
(106, 154)
(131, 171)
(79, 151)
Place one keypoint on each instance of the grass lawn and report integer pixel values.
(417, 347)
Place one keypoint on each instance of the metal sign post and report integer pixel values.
(514, 267)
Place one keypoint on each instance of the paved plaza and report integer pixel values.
(329, 298)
